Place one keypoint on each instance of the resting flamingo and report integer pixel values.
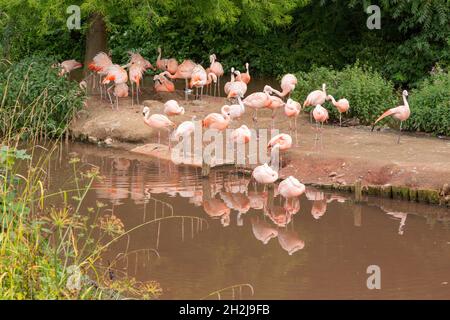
(216, 121)
(158, 122)
(265, 174)
(198, 79)
(342, 105)
(316, 97)
(244, 77)
(170, 65)
(217, 69)
(288, 83)
(241, 135)
(400, 113)
(68, 66)
(172, 108)
(292, 110)
(162, 84)
(99, 65)
(119, 76)
(291, 187)
(235, 110)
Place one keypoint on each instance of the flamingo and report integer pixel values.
(183, 71)
(235, 110)
(119, 76)
(211, 78)
(68, 66)
(292, 110)
(157, 121)
(318, 209)
(185, 130)
(162, 84)
(288, 83)
(280, 142)
(170, 65)
(244, 77)
(400, 113)
(100, 63)
(217, 69)
(226, 88)
(136, 71)
(265, 174)
(136, 57)
(172, 108)
(316, 97)
(258, 100)
(236, 88)
(291, 187)
(320, 114)
(216, 121)
(262, 230)
(274, 106)
(278, 215)
(241, 134)
(342, 105)
(198, 79)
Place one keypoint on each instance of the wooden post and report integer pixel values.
(358, 191)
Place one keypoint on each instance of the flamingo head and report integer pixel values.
(405, 93)
(146, 111)
(225, 109)
(268, 89)
(324, 87)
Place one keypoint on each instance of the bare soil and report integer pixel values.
(339, 155)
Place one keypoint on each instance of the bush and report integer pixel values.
(430, 105)
(366, 90)
(34, 99)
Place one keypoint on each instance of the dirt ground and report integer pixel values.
(342, 155)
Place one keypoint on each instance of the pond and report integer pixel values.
(224, 237)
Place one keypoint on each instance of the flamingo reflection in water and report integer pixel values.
(290, 241)
(262, 230)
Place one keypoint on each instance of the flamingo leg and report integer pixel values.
(109, 95)
(117, 103)
(137, 93)
(340, 119)
(159, 137)
(132, 93)
(400, 132)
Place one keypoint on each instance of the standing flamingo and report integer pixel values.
(198, 79)
(185, 130)
(291, 187)
(162, 84)
(170, 65)
(236, 88)
(316, 97)
(211, 79)
(244, 77)
(226, 88)
(157, 121)
(184, 71)
(217, 69)
(136, 71)
(100, 63)
(274, 106)
(292, 110)
(172, 108)
(119, 76)
(241, 134)
(280, 142)
(400, 113)
(258, 100)
(288, 83)
(320, 114)
(342, 105)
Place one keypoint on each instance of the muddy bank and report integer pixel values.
(417, 169)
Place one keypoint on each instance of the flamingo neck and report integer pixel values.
(241, 103)
(405, 102)
(159, 55)
(332, 100)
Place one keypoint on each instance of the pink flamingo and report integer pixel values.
(280, 142)
(217, 69)
(162, 84)
(185, 130)
(400, 113)
(136, 57)
(170, 65)
(276, 104)
(184, 71)
(157, 121)
(119, 76)
(100, 63)
(320, 114)
(316, 97)
(291, 187)
(288, 83)
(235, 110)
(258, 100)
(292, 110)
(68, 66)
(172, 108)
(211, 78)
(265, 174)
(199, 79)
(244, 77)
(342, 105)
(241, 134)
(262, 230)
(226, 88)
(136, 72)
(236, 88)
(216, 121)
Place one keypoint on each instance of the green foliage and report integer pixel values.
(430, 105)
(34, 99)
(366, 90)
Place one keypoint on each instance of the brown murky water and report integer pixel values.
(222, 234)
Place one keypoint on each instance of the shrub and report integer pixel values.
(34, 99)
(366, 90)
(430, 105)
